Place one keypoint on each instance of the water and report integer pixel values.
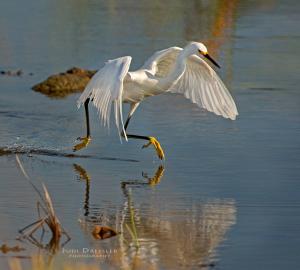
(228, 195)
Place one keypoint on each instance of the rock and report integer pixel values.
(17, 73)
(60, 85)
(103, 232)
(5, 248)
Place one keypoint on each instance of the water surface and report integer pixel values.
(227, 196)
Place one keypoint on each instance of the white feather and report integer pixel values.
(173, 70)
(105, 88)
(198, 82)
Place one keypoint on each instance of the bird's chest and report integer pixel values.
(139, 86)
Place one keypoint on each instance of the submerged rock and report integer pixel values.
(18, 72)
(5, 248)
(103, 232)
(60, 85)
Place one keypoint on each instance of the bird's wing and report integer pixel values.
(201, 84)
(105, 88)
(161, 62)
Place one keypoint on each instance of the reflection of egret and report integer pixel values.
(173, 70)
(103, 220)
(152, 181)
(154, 233)
(83, 175)
(188, 237)
(170, 237)
(92, 220)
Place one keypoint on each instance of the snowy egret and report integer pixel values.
(173, 70)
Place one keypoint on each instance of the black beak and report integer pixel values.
(212, 60)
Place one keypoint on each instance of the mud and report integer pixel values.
(60, 85)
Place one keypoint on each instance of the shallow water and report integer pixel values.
(227, 196)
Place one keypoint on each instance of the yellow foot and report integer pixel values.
(82, 173)
(84, 143)
(158, 175)
(158, 148)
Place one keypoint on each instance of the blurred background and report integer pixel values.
(228, 194)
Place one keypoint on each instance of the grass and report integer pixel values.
(47, 218)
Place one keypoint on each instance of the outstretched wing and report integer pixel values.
(199, 82)
(106, 88)
(162, 62)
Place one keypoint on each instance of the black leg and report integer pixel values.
(131, 135)
(151, 140)
(86, 107)
(85, 140)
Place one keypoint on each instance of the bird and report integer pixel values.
(172, 70)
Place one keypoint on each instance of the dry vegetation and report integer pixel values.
(47, 218)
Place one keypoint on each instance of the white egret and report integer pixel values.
(173, 70)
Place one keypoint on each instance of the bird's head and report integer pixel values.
(202, 50)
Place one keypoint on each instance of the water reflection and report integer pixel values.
(154, 233)
(84, 176)
(36, 232)
(152, 181)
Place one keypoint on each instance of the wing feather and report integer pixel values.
(106, 88)
(201, 84)
(162, 62)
